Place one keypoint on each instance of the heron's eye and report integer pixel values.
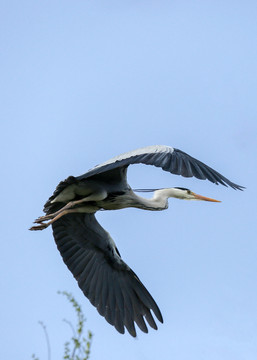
(189, 192)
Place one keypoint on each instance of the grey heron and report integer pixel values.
(89, 251)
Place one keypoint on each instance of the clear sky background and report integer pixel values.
(83, 81)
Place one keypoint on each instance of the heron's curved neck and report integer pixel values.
(159, 201)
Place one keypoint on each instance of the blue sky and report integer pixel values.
(83, 81)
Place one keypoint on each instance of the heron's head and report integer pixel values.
(186, 194)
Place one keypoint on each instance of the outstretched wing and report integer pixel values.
(106, 280)
(169, 159)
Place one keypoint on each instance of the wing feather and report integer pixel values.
(110, 285)
(169, 159)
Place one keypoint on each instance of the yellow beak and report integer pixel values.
(200, 197)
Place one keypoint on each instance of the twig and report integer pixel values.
(47, 340)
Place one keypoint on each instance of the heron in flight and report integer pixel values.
(89, 251)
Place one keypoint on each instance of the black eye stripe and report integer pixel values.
(180, 188)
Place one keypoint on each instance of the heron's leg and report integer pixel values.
(93, 197)
(45, 225)
(65, 207)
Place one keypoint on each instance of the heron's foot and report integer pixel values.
(41, 219)
(40, 227)
(52, 217)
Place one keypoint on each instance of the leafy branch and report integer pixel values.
(79, 347)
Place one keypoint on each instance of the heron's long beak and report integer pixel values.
(200, 197)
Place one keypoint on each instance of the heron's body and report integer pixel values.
(89, 251)
(110, 200)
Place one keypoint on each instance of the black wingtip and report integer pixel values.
(145, 190)
(241, 188)
(236, 187)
